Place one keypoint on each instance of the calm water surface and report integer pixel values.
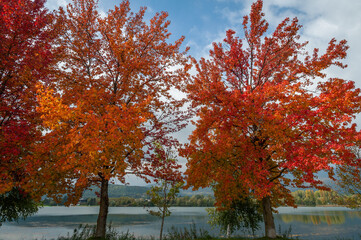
(304, 222)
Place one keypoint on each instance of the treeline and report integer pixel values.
(324, 198)
(301, 197)
(184, 201)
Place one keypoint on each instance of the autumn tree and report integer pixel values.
(267, 111)
(113, 98)
(27, 31)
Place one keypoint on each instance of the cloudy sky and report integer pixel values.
(205, 21)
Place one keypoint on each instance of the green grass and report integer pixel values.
(85, 232)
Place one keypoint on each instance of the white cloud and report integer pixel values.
(54, 4)
(102, 13)
(322, 28)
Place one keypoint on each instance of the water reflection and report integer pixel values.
(338, 218)
(116, 220)
(328, 217)
(73, 221)
(354, 214)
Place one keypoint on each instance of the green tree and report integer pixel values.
(16, 204)
(161, 196)
(310, 198)
(241, 213)
(169, 182)
(349, 181)
(91, 201)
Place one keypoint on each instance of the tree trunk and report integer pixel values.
(269, 223)
(228, 234)
(103, 210)
(163, 208)
(161, 228)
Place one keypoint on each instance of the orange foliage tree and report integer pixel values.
(267, 110)
(26, 56)
(112, 99)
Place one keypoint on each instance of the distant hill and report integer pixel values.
(201, 191)
(116, 191)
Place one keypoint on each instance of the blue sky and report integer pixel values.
(205, 21)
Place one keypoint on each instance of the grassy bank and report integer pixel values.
(191, 233)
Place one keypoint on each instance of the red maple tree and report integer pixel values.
(26, 57)
(111, 101)
(266, 110)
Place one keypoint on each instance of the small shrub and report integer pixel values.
(86, 232)
(287, 233)
(187, 233)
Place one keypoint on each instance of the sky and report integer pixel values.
(203, 22)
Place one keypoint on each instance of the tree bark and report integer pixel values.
(163, 208)
(228, 234)
(269, 223)
(161, 228)
(103, 210)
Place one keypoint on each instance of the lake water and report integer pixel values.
(305, 222)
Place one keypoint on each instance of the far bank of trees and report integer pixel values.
(184, 201)
(316, 198)
(309, 198)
